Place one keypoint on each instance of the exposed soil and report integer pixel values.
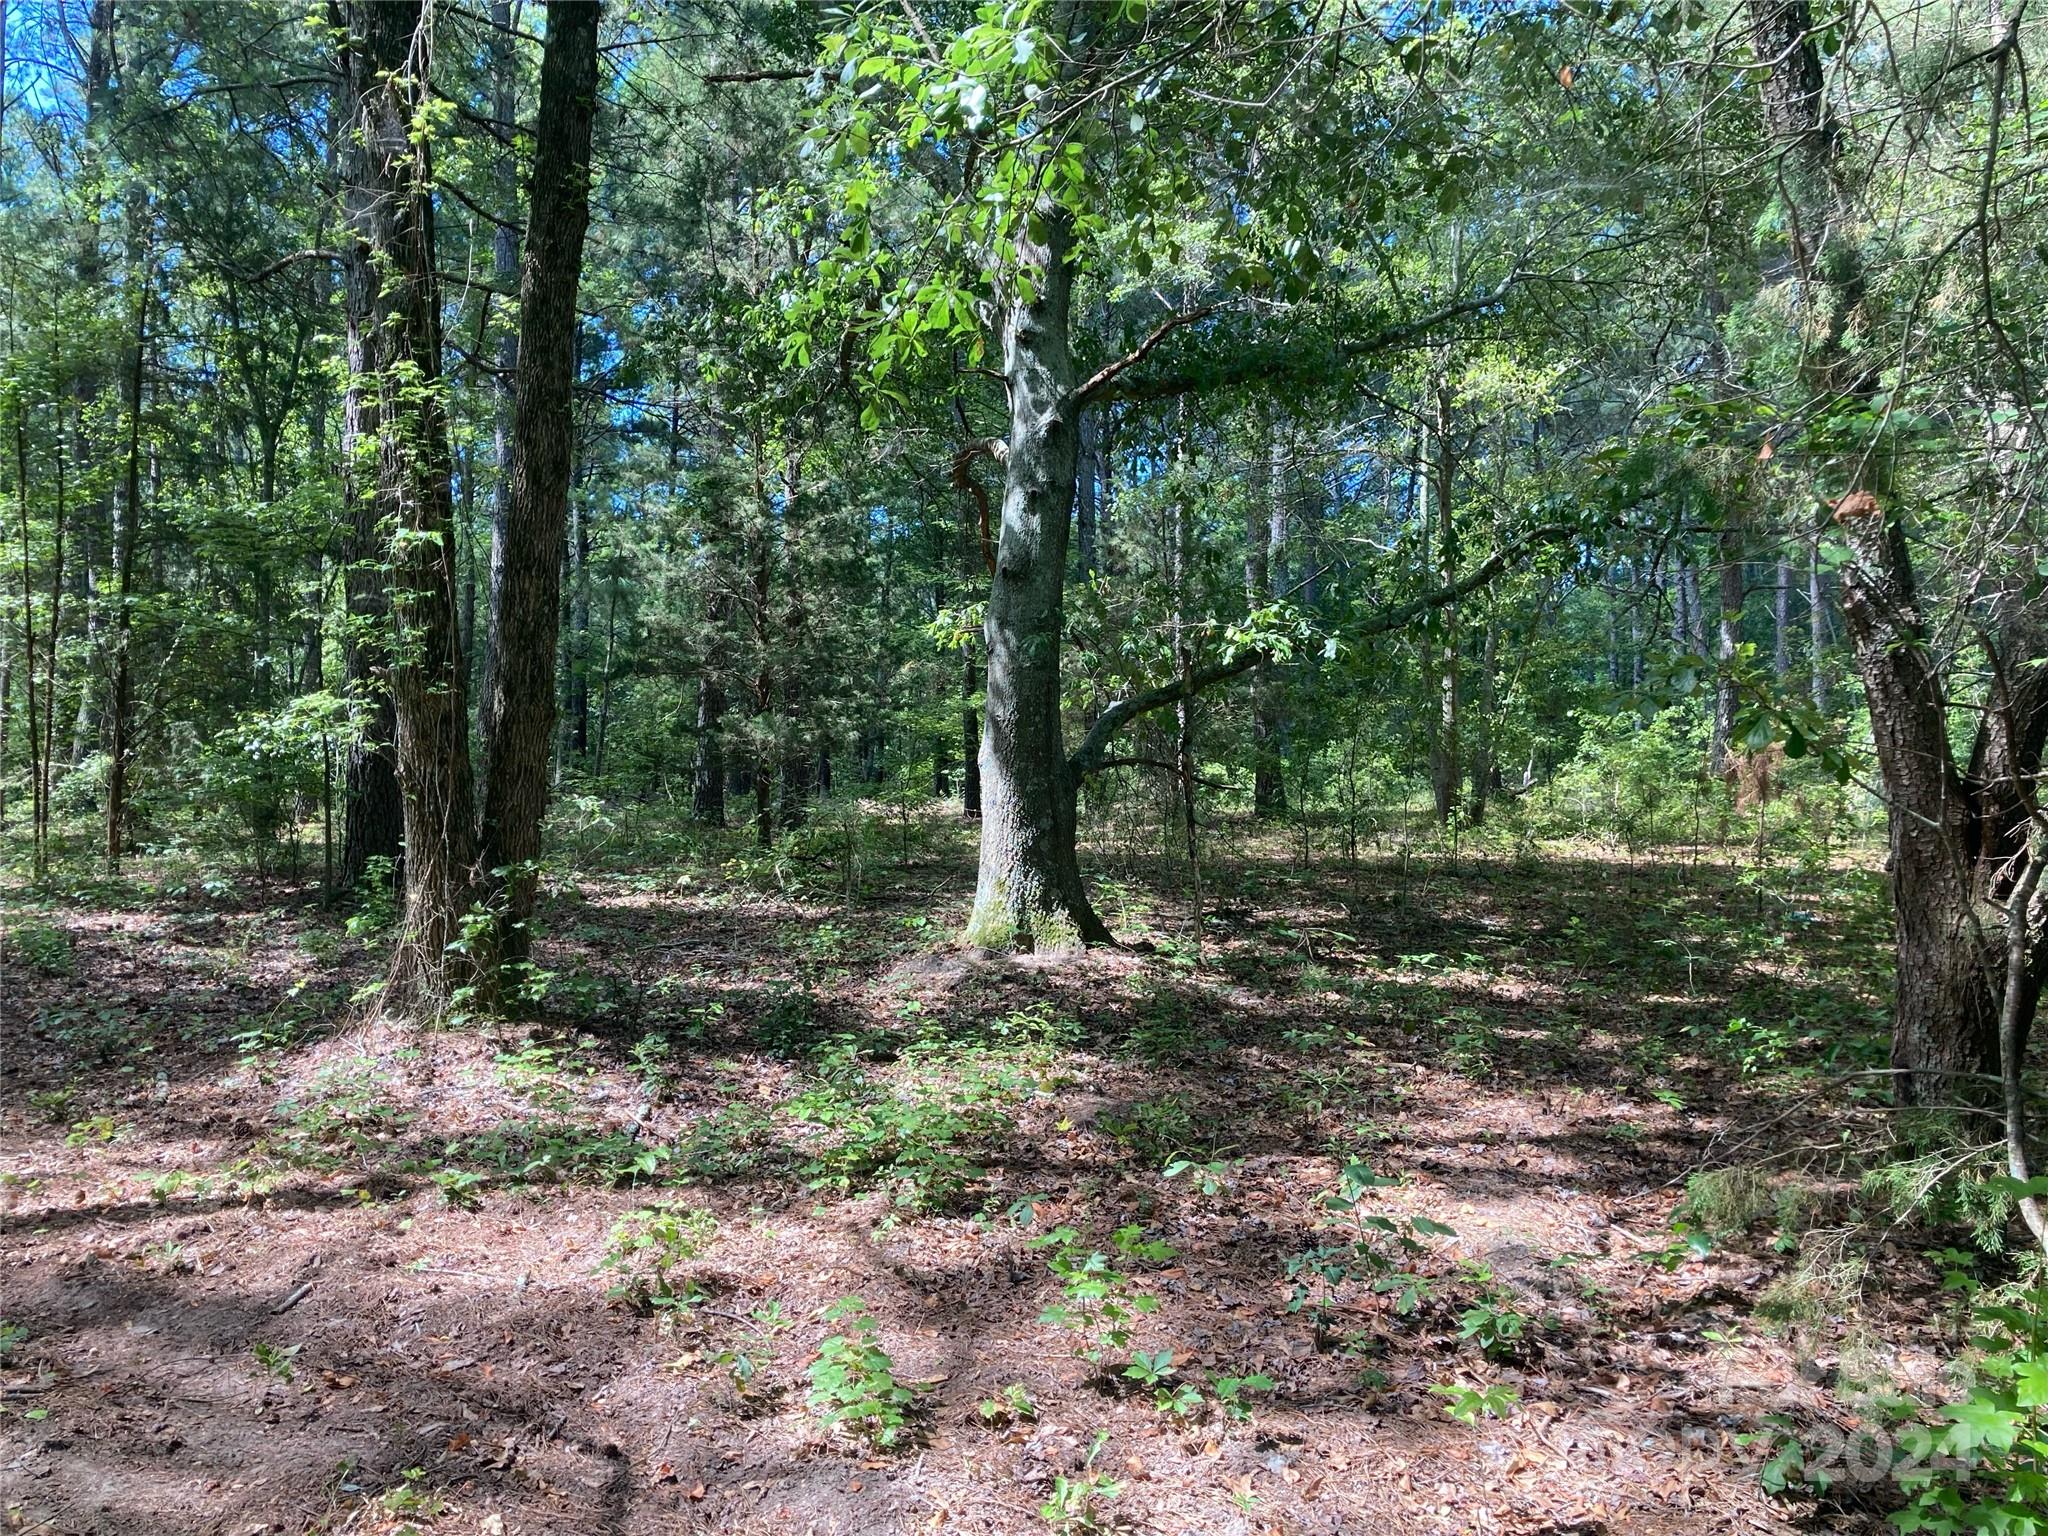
(248, 1304)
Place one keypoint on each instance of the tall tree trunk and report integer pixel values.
(127, 533)
(1105, 491)
(386, 55)
(799, 782)
(1695, 610)
(1183, 556)
(1955, 842)
(973, 570)
(1265, 535)
(1446, 762)
(970, 736)
(506, 275)
(372, 816)
(38, 811)
(526, 546)
(1484, 770)
(1084, 492)
(579, 631)
(1028, 894)
(707, 765)
(1781, 623)
(1816, 628)
(89, 270)
(759, 556)
(1727, 640)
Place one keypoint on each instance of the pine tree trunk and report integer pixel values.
(525, 548)
(707, 763)
(128, 532)
(373, 823)
(579, 544)
(1084, 494)
(1265, 537)
(799, 784)
(1781, 623)
(1028, 894)
(1446, 764)
(385, 56)
(505, 274)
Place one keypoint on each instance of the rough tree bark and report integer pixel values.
(505, 273)
(526, 545)
(385, 57)
(1028, 894)
(1446, 764)
(1957, 834)
(1264, 537)
(707, 762)
(1085, 493)
(127, 534)
(373, 821)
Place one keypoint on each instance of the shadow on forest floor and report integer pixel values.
(274, 1266)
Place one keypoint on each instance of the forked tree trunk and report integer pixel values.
(1029, 894)
(385, 58)
(526, 546)
(1945, 1018)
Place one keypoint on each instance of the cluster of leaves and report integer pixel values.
(916, 1141)
(648, 1246)
(1377, 1252)
(853, 1380)
(1099, 1300)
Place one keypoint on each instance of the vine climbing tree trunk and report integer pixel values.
(386, 53)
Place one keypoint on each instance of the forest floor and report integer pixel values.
(269, 1267)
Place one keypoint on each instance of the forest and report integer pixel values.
(1005, 766)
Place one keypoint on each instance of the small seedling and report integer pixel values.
(409, 1498)
(1076, 1504)
(1468, 1405)
(1230, 1395)
(1493, 1321)
(277, 1358)
(853, 1380)
(646, 1247)
(460, 1189)
(1099, 1301)
(1012, 1405)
